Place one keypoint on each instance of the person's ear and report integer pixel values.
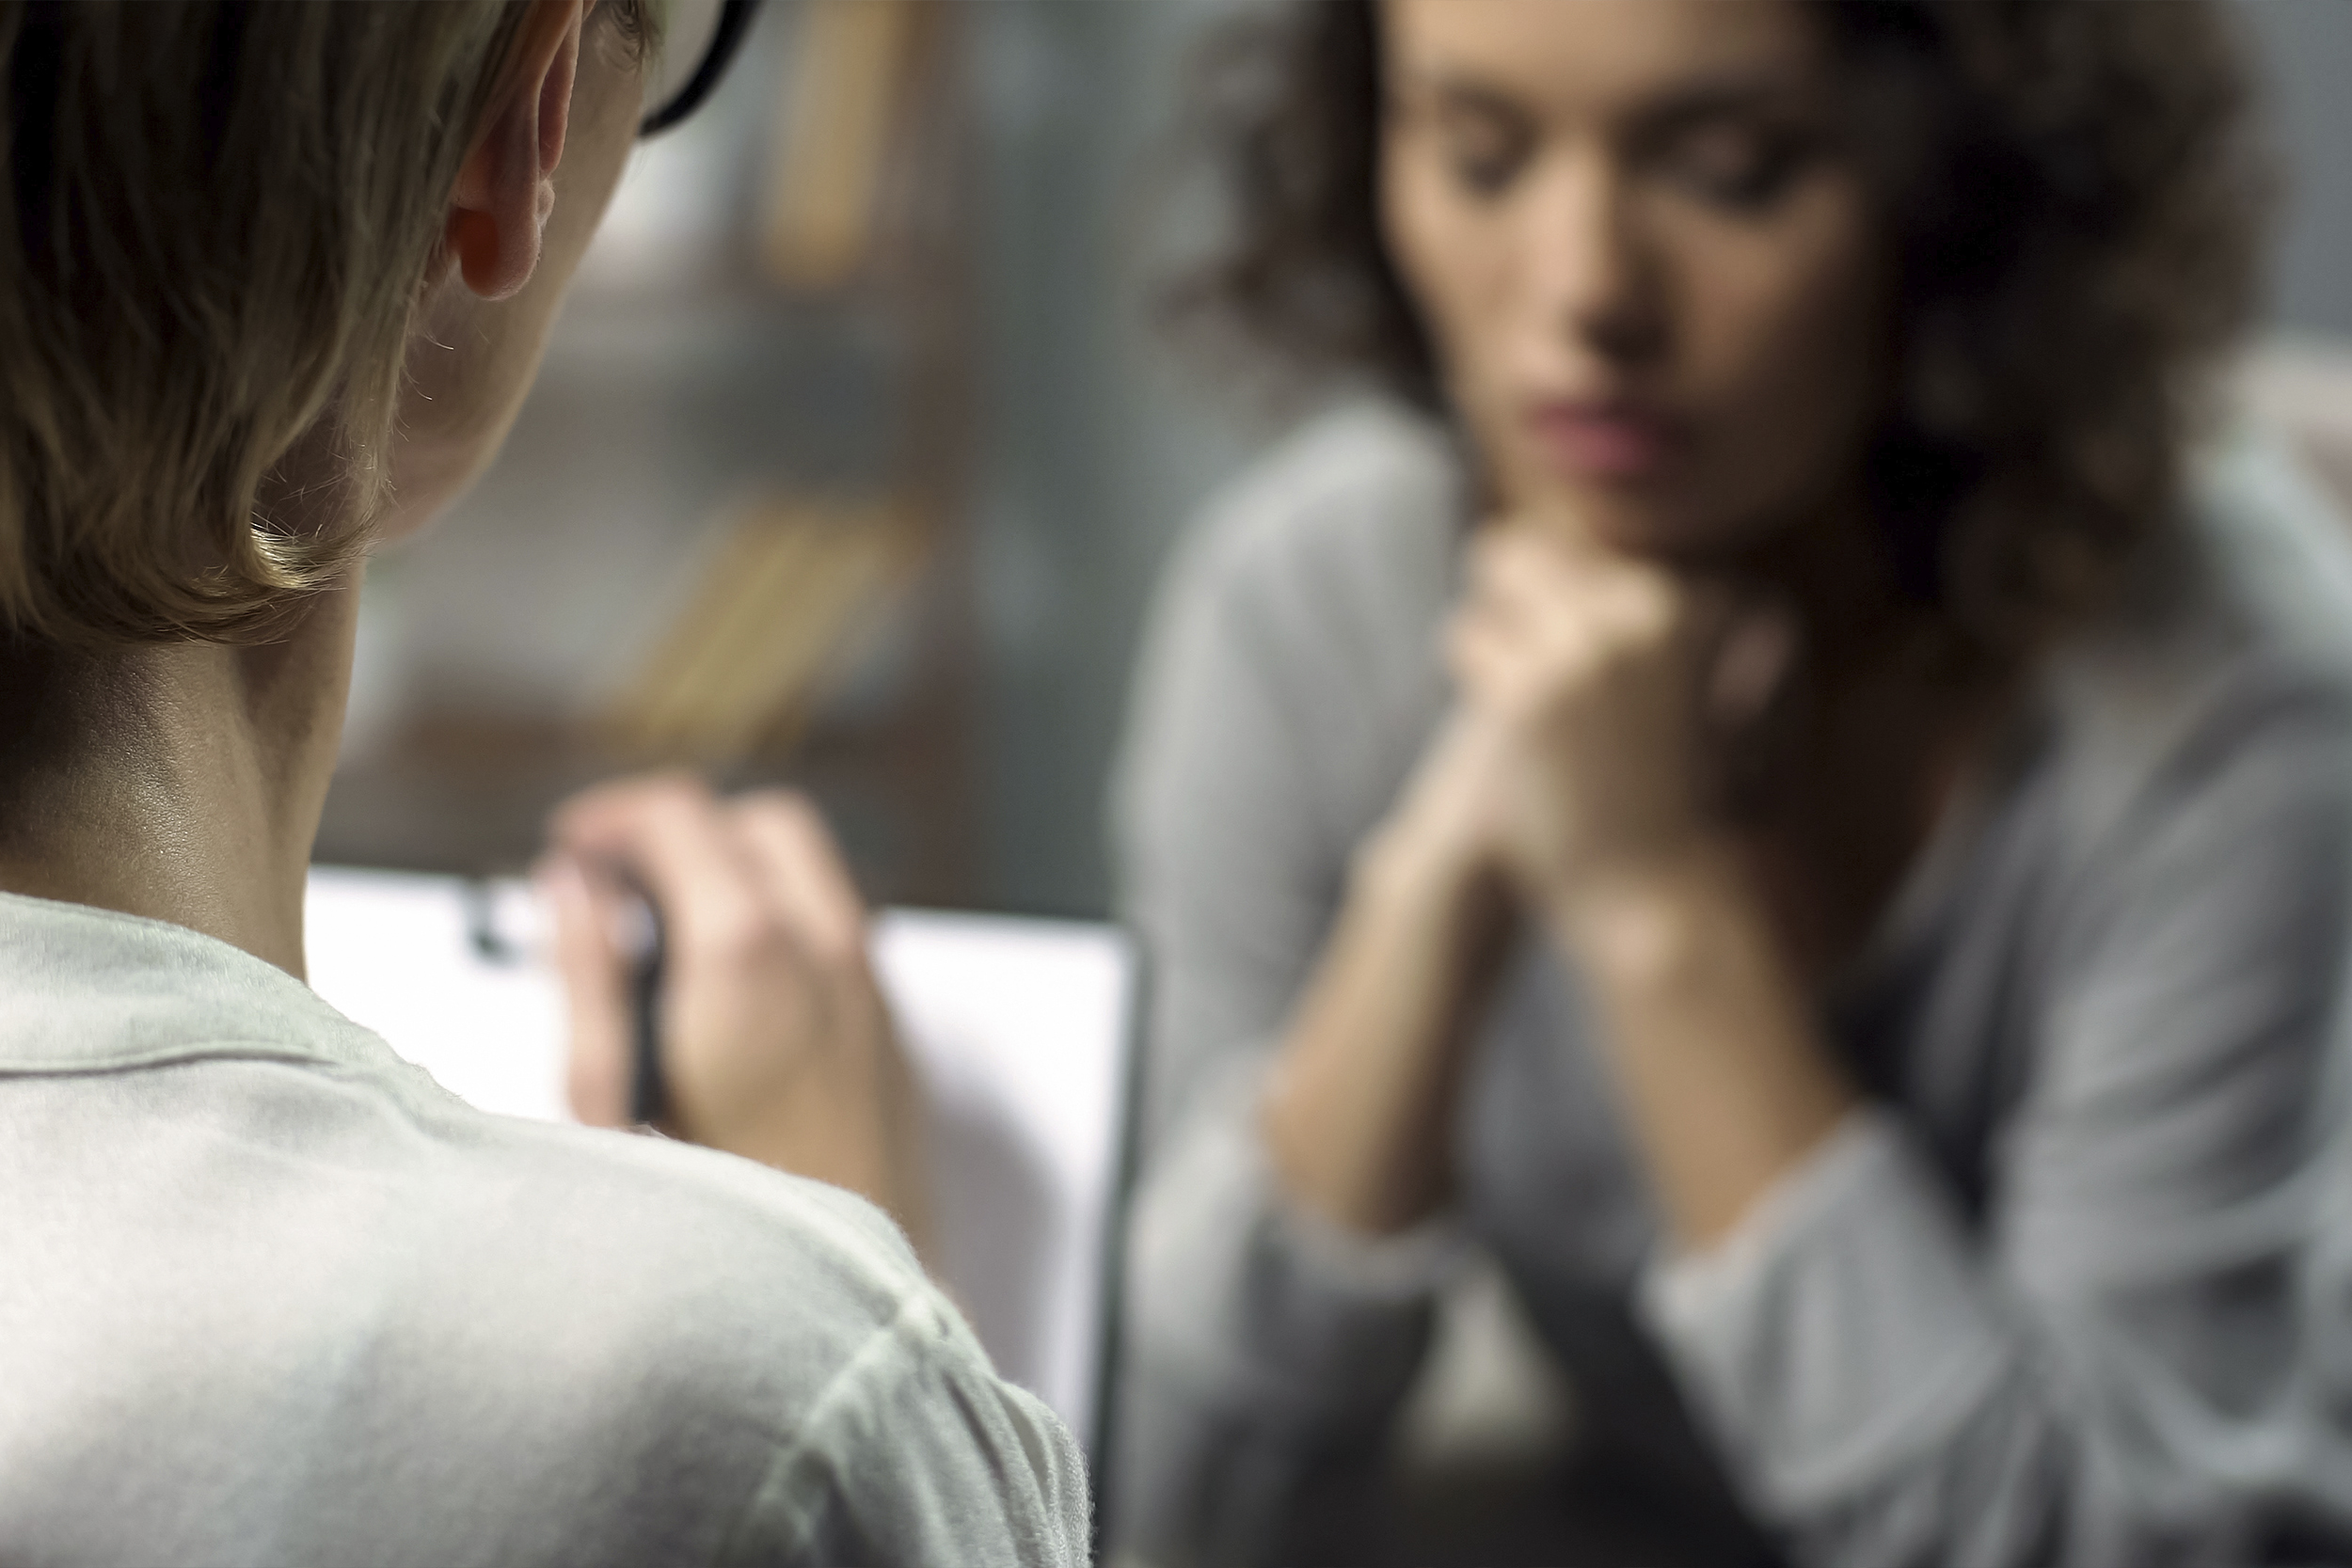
(506, 187)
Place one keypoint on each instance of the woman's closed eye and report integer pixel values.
(1484, 152)
(1481, 139)
(1742, 167)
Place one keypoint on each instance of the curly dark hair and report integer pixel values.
(2073, 197)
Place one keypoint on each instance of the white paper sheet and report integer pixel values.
(1017, 1027)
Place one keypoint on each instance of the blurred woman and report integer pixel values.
(1744, 784)
(274, 280)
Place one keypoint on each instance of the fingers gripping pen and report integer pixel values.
(637, 934)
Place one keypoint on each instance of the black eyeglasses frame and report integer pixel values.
(735, 20)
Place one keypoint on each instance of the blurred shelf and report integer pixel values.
(469, 795)
(693, 378)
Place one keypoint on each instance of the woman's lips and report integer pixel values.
(1605, 440)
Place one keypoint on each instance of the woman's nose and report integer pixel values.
(1588, 276)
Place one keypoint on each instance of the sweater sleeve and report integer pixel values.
(1258, 1341)
(2103, 1370)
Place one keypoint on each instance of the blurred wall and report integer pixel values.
(1098, 441)
(2304, 50)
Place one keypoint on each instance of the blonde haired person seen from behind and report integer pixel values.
(275, 279)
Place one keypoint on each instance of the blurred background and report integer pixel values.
(859, 446)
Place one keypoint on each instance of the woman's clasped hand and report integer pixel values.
(1601, 698)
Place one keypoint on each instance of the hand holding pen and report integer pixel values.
(774, 1041)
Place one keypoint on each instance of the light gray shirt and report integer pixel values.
(2040, 1302)
(268, 1296)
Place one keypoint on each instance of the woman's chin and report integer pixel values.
(1668, 519)
(1675, 542)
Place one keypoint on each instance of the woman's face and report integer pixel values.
(1654, 283)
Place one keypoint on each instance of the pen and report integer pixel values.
(642, 945)
(648, 1098)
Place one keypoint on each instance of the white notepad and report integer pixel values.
(1018, 1028)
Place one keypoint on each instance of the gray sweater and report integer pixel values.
(270, 1295)
(2038, 1302)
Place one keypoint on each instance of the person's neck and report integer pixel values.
(1837, 579)
(181, 783)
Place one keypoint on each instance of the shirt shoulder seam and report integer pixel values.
(878, 1359)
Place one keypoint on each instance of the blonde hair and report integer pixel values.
(218, 219)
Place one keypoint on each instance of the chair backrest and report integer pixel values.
(1020, 1030)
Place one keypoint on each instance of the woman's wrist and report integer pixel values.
(1358, 1110)
(1643, 920)
(1405, 866)
(1709, 1031)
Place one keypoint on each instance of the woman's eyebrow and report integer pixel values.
(1459, 91)
(1695, 100)
(1728, 96)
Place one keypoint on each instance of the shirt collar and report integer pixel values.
(85, 990)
